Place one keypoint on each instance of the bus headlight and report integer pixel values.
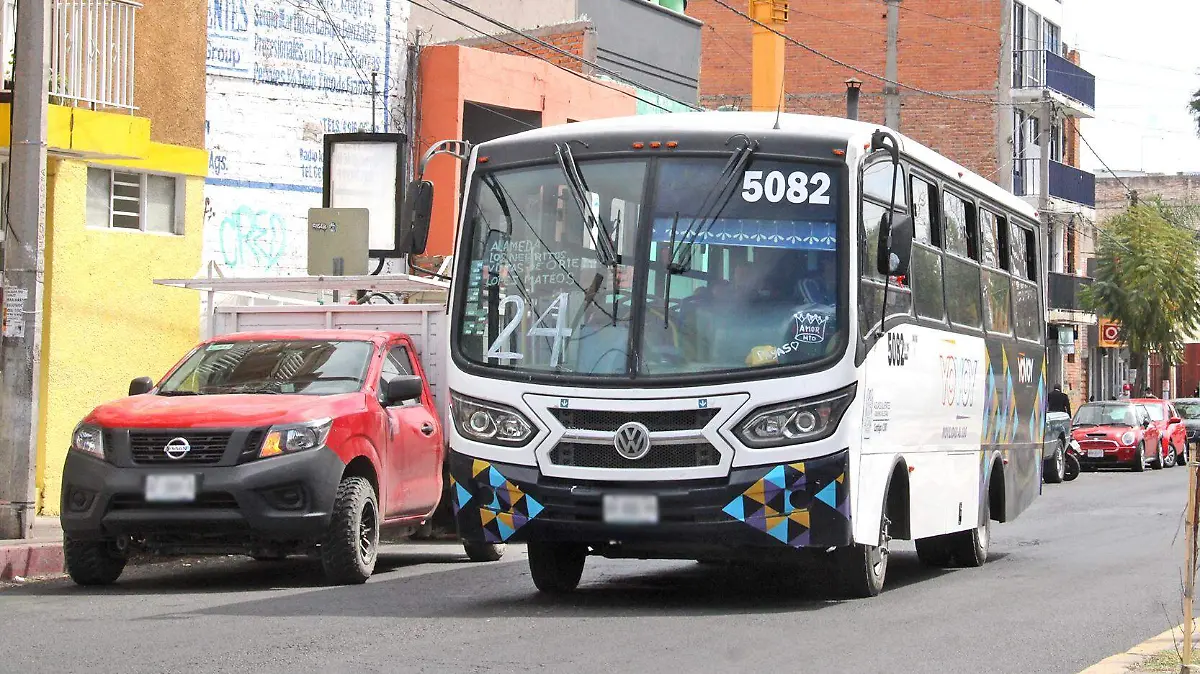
(492, 423)
(795, 422)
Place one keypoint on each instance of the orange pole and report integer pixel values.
(767, 49)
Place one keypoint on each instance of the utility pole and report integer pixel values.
(1044, 117)
(891, 92)
(1189, 580)
(767, 51)
(21, 339)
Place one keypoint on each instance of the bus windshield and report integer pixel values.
(748, 282)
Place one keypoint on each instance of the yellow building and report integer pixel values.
(124, 205)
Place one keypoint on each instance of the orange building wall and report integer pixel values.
(451, 75)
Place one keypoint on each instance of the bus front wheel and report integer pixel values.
(861, 569)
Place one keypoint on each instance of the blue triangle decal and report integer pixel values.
(532, 506)
(828, 495)
(779, 531)
(463, 495)
(736, 510)
(505, 530)
(776, 477)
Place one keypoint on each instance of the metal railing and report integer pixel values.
(1037, 68)
(91, 51)
(1066, 182)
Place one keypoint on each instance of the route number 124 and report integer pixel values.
(797, 187)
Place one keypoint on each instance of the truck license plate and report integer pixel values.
(170, 488)
(1095, 453)
(630, 509)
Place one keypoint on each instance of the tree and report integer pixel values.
(1148, 279)
(1195, 108)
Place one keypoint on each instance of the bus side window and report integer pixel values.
(962, 272)
(997, 284)
(1026, 316)
(926, 265)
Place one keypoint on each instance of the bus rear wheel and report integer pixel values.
(970, 548)
(934, 551)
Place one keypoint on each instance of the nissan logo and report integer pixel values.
(177, 448)
(632, 441)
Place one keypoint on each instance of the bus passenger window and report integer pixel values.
(998, 287)
(926, 265)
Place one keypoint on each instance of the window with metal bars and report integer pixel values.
(133, 200)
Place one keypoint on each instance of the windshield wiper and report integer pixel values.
(713, 205)
(178, 393)
(606, 253)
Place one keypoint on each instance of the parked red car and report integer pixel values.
(1171, 430)
(1116, 433)
(263, 444)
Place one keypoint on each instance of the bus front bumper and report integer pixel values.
(804, 504)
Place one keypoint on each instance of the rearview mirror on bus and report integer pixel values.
(418, 212)
(895, 244)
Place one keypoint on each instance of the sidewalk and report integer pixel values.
(41, 555)
(1157, 655)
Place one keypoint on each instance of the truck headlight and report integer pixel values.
(288, 438)
(492, 423)
(88, 439)
(794, 422)
(1128, 438)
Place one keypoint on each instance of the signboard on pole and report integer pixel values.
(1110, 334)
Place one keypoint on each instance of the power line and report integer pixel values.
(554, 48)
(1103, 163)
(856, 69)
(486, 108)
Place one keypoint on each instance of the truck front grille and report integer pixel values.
(149, 447)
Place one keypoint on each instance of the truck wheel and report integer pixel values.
(484, 552)
(970, 547)
(934, 551)
(1056, 467)
(556, 567)
(351, 545)
(92, 562)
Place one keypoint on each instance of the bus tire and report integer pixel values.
(556, 568)
(483, 552)
(862, 569)
(970, 547)
(934, 551)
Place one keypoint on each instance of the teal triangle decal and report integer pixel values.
(736, 510)
(828, 495)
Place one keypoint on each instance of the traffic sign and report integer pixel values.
(1110, 334)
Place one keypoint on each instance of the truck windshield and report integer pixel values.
(305, 367)
(755, 281)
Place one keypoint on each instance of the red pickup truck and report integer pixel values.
(265, 444)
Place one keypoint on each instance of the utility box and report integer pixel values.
(338, 241)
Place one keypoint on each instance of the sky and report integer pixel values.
(1146, 59)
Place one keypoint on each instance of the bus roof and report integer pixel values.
(834, 128)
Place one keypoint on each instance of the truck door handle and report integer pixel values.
(427, 428)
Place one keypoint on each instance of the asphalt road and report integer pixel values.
(1091, 569)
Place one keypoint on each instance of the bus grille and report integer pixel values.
(609, 420)
(587, 455)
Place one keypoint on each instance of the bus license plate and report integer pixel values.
(630, 509)
(1095, 453)
(170, 488)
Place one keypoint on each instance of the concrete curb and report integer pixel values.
(30, 560)
(1121, 662)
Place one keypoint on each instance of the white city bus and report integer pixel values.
(665, 342)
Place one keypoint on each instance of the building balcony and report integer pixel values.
(91, 52)
(1072, 186)
(1064, 301)
(1039, 72)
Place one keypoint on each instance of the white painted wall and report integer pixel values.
(280, 75)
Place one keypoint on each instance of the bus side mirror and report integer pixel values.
(141, 385)
(418, 212)
(895, 244)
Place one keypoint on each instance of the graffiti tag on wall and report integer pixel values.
(250, 237)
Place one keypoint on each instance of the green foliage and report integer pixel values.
(1148, 278)
(1194, 106)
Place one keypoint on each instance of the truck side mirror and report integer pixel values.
(416, 217)
(401, 388)
(141, 385)
(894, 253)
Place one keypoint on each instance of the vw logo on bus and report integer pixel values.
(632, 441)
(177, 448)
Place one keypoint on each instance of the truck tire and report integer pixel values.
(934, 551)
(351, 544)
(484, 552)
(970, 547)
(1056, 467)
(556, 567)
(92, 562)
